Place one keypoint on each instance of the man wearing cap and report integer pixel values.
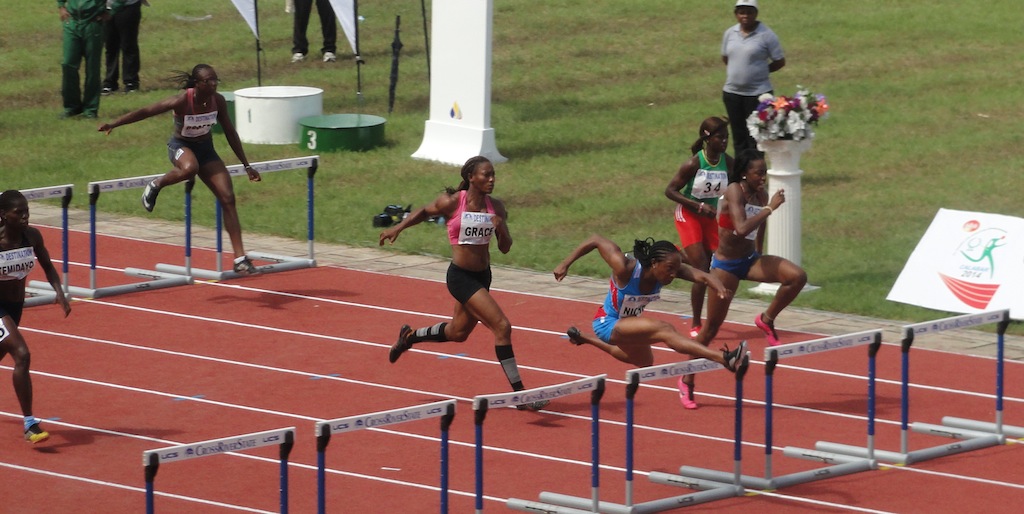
(750, 51)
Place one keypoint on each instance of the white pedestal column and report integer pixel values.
(460, 84)
(784, 232)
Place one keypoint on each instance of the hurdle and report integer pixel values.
(838, 464)
(707, 491)
(276, 262)
(483, 403)
(324, 429)
(38, 292)
(971, 435)
(152, 279)
(284, 437)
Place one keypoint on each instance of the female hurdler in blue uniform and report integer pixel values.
(20, 246)
(636, 282)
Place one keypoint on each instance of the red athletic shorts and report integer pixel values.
(695, 229)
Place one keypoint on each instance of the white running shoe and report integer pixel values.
(297, 57)
(330, 57)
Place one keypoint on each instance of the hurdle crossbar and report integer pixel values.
(970, 434)
(39, 292)
(482, 403)
(284, 437)
(275, 262)
(707, 491)
(324, 429)
(153, 279)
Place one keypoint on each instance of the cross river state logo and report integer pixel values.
(970, 271)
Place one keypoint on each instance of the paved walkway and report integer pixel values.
(971, 342)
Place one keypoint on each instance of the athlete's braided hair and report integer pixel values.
(9, 197)
(649, 251)
(467, 170)
(743, 160)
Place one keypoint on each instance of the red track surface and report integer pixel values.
(158, 368)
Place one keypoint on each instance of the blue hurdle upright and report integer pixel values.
(39, 292)
(707, 490)
(970, 434)
(275, 262)
(482, 403)
(283, 437)
(324, 429)
(837, 464)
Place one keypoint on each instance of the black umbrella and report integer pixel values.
(396, 48)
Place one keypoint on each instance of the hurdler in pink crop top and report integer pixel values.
(471, 228)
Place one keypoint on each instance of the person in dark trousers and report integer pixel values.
(83, 39)
(328, 27)
(121, 44)
(750, 51)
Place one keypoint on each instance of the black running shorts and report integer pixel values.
(463, 284)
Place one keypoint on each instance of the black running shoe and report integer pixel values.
(401, 345)
(574, 336)
(149, 196)
(734, 357)
(535, 406)
(244, 266)
(36, 434)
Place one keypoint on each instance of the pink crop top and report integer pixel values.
(471, 228)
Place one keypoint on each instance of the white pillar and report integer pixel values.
(460, 83)
(784, 231)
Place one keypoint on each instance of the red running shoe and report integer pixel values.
(686, 395)
(769, 331)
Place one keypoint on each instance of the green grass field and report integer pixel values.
(595, 103)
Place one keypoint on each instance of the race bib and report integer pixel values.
(752, 211)
(709, 183)
(634, 304)
(195, 125)
(476, 228)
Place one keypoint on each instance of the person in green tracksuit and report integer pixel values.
(83, 37)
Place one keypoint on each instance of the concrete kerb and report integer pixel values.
(591, 290)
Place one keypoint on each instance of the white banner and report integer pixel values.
(345, 10)
(967, 262)
(247, 8)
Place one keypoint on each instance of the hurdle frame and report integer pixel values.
(277, 262)
(839, 464)
(283, 437)
(39, 292)
(970, 434)
(596, 393)
(155, 279)
(707, 490)
(483, 403)
(444, 409)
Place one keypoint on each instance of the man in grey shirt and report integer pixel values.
(750, 51)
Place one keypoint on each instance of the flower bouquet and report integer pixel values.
(787, 117)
